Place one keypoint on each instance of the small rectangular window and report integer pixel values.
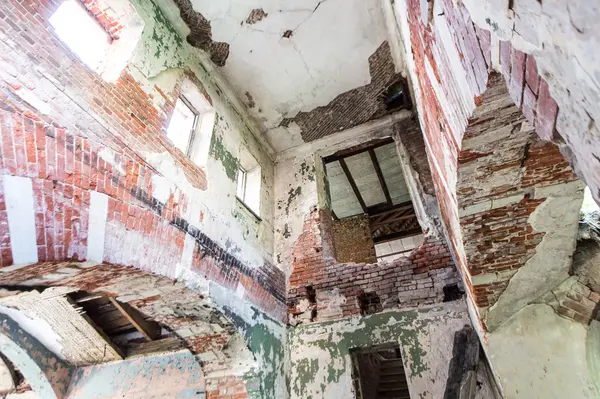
(249, 182)
(182, 125)
(81, 33)
(241, 183)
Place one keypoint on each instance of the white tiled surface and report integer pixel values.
(384, 249)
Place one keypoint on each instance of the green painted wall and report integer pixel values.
(320, 352)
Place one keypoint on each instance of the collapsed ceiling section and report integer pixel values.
(304, 69)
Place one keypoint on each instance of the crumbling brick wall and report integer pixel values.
(413, 281)
(353, 240)
(444, 122)
(71, 133)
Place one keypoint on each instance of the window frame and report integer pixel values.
(187, 103)
(240, 200)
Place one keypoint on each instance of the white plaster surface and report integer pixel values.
(558, 218)
(326, 55)
(97, 226)
(426, 342)
(18, 194)
(538, 354)
(37, 328)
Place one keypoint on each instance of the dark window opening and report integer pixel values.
(452, 293)
(126, 329)
(378, 372)
(369, 303)
(396, 96)
(311, 295)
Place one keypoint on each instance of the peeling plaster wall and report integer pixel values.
(563, 36)
(48, 375)
(321, 363)
(87, 137)
(557, 218)
(160, 58)
(173, 375)
(279, 77)
(538, 354)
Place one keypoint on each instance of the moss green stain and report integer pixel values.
(403, 327)
(266, 347)
(165, 40)
(220, 153)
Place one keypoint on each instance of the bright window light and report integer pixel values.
(182, 125)
(78, 30)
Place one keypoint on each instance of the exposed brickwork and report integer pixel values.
(472, 239)
(226, 388)
(413, 281)
(579, 304)
(105, 16)
(68, 158)
(201, 33)
(353, 240)
(353, 107)
(172, 304)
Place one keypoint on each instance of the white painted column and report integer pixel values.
(18, 193)
(97, 226)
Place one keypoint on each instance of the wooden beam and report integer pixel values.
(110, 346)
(348, 152)
(395, 236)
(150, 330)
(353, 185)
(377, 167)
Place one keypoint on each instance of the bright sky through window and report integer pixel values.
(181, 126)
(78, 30)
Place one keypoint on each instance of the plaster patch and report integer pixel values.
(18, 194)
(97, 226)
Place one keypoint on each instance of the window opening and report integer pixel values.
(90, 39)
(81, 33)
(248, 190)
(182, 127)
(368, 180)
(241, 183)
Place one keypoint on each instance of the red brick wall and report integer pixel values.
(63, 161)
(444, 125)
(105, 16)
(226, 388)
(417, 280)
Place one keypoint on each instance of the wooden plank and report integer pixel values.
(150, 330)
(353, 184)
(110, 345)
(377, 167)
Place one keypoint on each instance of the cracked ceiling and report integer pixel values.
(290, 61)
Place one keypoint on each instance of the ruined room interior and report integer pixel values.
(327, 199)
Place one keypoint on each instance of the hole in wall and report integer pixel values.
(452, 293)
(369, 303)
